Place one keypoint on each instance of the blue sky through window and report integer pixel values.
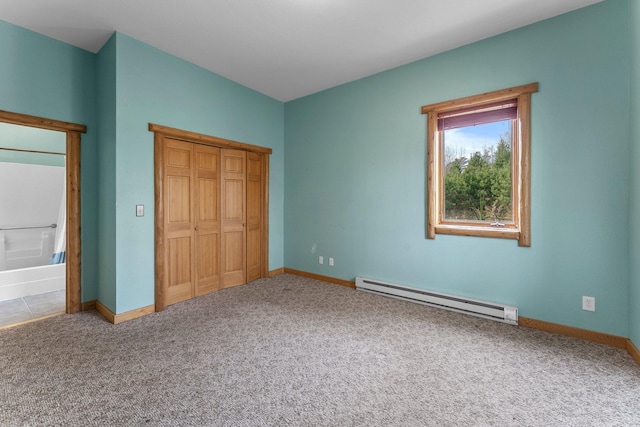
(467, 140)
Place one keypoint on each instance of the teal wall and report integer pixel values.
(155, 87)
(43, 77)
(28, 138)
(355, 173)
(106, 109)
(634, 217)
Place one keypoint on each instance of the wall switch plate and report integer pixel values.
(320, 259)
(139, 210)
(330, 262)
(589, 303)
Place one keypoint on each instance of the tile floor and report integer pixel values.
(32, 307)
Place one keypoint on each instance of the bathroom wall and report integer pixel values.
(29, 197)
(30, 194)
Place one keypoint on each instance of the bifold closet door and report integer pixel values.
(255, 178)
(234, 212)
(207, 226)
(192, 220)
(179, 221)
(211, 217)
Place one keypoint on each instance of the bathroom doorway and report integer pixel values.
(39, 218)
(32, 223)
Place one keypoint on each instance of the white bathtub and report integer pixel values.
(31, 281)
(26, 248)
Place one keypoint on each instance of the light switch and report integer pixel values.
(139, 210)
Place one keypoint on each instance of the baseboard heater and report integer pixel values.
(488, 310)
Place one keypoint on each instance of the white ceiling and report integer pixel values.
(285, 48)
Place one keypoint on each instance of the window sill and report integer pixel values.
(478, 231)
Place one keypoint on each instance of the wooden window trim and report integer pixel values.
(521, 168)
(73, 248)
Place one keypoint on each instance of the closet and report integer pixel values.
(211, 214)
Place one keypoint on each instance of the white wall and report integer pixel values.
(30, 194)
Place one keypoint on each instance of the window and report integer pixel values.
(478, 171)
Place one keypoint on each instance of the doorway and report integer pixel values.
(65, 246)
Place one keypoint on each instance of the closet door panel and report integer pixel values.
(254, 216)
(234, 248)
(233, 217)
(179, 269)
(208, 273)
(233, 204)
(179, 221)
(179, 212)
(208, 219)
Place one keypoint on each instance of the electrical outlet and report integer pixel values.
(589, 303)
(330, 262)
(320, 259)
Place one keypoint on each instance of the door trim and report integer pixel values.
(199, 138)
(73, 255)
(162, 132)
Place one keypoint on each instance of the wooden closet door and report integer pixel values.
(179, 221)
(234, 208)
(254, 216)
(207, 227)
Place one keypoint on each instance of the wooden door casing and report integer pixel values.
(73, 149)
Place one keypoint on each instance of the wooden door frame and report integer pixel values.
(162, 132)
(73, 256)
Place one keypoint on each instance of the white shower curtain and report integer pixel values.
(60, 247)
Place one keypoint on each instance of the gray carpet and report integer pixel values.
(293, 351)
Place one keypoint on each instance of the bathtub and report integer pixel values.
(24, 264)
(25, 248)
(31, 281)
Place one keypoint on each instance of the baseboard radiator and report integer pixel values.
(488, 310)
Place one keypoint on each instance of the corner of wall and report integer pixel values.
(106, 118)
(634, 190)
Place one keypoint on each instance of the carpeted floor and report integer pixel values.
(293, 351)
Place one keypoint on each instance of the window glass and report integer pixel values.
(477, 173)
